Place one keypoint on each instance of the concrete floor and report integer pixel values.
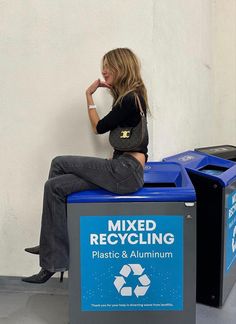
(22, 303)
(27, 308)
(48, 304)
(225, 315)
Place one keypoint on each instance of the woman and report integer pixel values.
(122, 174)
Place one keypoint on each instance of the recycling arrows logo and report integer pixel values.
(132, 270)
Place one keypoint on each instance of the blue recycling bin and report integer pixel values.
(214, 180)
(132, 257)
(227, 152)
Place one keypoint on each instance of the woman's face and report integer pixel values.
(107, 74)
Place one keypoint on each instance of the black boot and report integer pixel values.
(33, 250)
(41, 277)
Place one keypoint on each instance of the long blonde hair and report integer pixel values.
(125, 67)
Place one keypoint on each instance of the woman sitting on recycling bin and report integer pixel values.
(122, 174)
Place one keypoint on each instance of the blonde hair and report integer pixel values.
(125, 67)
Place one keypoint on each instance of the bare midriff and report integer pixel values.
(138, 156)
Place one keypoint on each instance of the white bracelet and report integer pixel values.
(92, 106)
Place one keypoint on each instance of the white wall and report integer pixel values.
(224, 69)
(49, 54)
(183, 78)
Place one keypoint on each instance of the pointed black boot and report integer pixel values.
(41, 277)
(33, 250)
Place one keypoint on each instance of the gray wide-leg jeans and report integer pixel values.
(70, 174)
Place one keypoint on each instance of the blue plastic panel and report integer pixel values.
(155, 173)
(196, 161)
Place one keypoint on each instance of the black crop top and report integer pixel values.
(124, 114)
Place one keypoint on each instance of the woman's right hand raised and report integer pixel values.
(97, 84)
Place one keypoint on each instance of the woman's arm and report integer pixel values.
(92, 112)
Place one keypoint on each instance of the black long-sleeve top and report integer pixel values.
(124, 114)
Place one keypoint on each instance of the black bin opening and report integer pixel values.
(213, 169)
(159, 184)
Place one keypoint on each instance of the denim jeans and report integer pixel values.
(70, 174)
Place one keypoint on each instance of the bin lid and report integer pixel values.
(163, 181)
(221, 170)
(224, 151)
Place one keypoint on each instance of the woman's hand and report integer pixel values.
(93, 115)
(97, 84)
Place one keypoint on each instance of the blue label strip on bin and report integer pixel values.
(231, 231)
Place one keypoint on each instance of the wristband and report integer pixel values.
(92, 106)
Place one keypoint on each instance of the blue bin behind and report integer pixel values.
(214, 180)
